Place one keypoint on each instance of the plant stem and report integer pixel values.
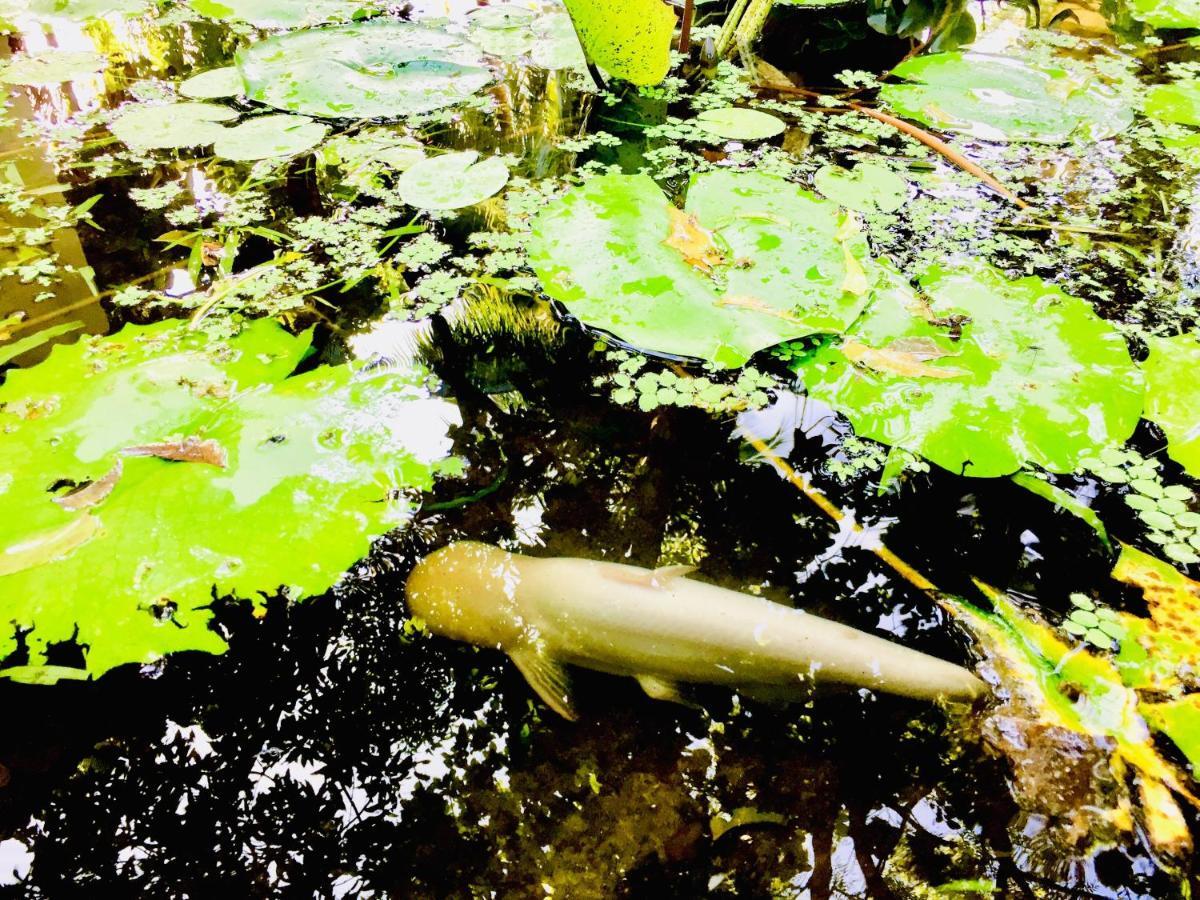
(685, 26)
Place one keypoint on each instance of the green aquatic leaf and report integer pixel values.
(270, 136)
(314, 463)
(73, 10)
(9, 352)
(1180, 721)
(1166, 13)
(546, 38)
(1034, 376)
(739, 124)
(452, 180)
(214, 84)
(752, 261)
(1177, 102)
(171, 126)
(51, 67)
(1000, 98)
(630, 40)
(1172, 402)
(379, 68)
(282, 13)
(1063, 500)
(867, 187)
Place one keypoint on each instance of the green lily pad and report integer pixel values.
(632, 42)
(739, 124)
(171, 126)
(378, 68)
(867, 187)
(52, 67)
(1177, 102)
(986, 376)
(281, 13)
(754, 260)
(1172, 402)
(310, 464)
(270, 136)
(1166, 13)
(214, 84)
(372, 149)
(999, 98)
(546, 38)
(452, 180)
(74, 10)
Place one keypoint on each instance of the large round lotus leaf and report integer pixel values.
(984, 376)
(738, 124)
(754, 260)
(370, 69)
(1172, 400)
(1178, 102)
(1166, 13)
(311, 464)
(213, 84)
(52, 67)
(270, 136)
(632, 41)
(1004, 99)
(280, 13)
(867, 187)
(171, 126)
(451, 181)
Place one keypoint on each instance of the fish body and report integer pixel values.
(657, 626)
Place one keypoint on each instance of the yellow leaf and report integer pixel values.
(755, 305)
(694, 242)
(896, 362)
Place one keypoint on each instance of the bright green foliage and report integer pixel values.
(989, 375)
(754, 261)
(867, 187)
(1172, 401)
(312, 464)
(265, 137)
(1004, 99)
(739, 124)
(378, 68)
(629, 40)
(213, 84)
(1063, 500)
(171, 126)
(1180, 721)
(1166, 13)
(1177, 102)
(1098, 625)
(452, 180)
(75, 10)
(281, 13)
(51, 67)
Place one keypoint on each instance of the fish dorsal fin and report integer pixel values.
(655, 578)
(547, 676)
(661, 689)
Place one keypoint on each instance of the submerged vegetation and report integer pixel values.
(884, 310)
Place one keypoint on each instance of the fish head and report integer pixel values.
(468, 591)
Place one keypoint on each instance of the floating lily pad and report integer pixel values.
(213, 84)
(52, 67)
(282, 13)
(632, 43)
(74, 10)
(452, 180)
(986, 376)
(378, 68)
(546, 38)
(172, 126)
(1178, 102)
(867, 187)
(1172, 401)
(1166, 13)
(753, 261)
(270, 136)
(310, 464)
(739, 124)
(1005, 99)
(379, 147)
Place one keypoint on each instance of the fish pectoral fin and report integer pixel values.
(662, 689)
(655, 578)
(548, 677)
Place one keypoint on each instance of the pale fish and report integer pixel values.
(657, 626)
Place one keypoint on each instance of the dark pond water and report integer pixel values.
(334, 751)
